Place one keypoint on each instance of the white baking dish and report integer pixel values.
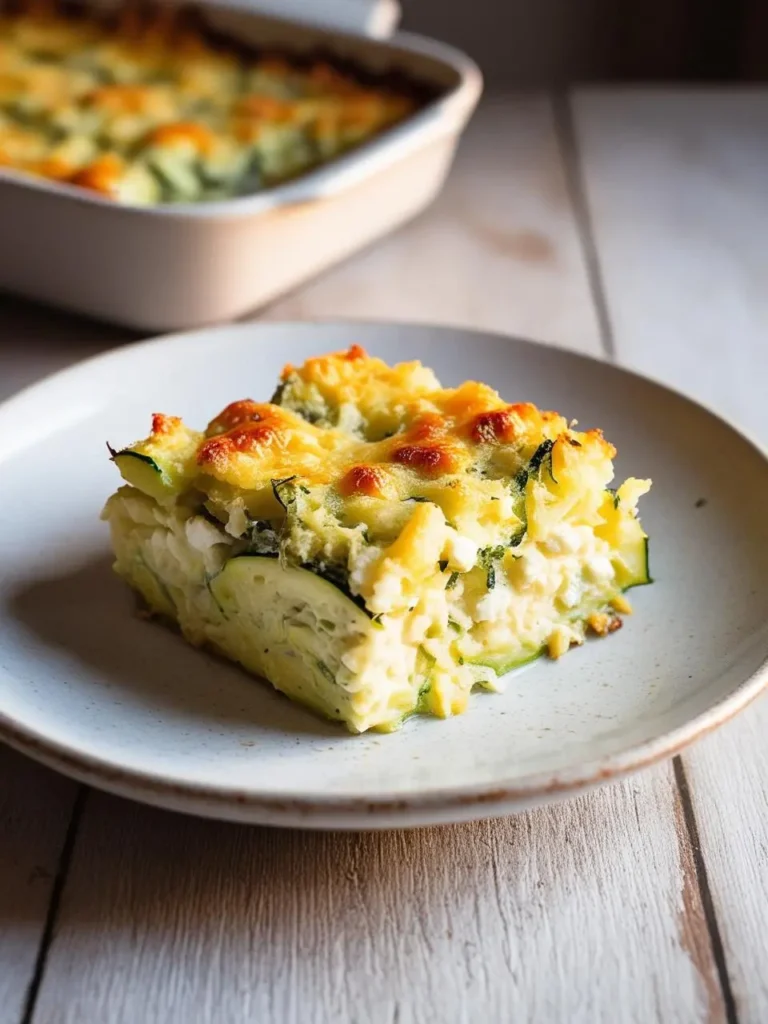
(169, 267)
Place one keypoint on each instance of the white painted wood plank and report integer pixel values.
(35, 806)
(678, 195)
(498, 250)
(679, 198)
(572, 914)
(585, 912)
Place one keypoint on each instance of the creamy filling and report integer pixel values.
(428, 650)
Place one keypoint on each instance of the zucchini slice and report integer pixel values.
(291, 627)
(632, 564)
(141, 471)
(505, 661)
(175, 174)
(160, 466)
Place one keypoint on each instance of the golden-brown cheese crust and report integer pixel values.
(151, 101)
(334, 367)
(250, 443)
(445, 434)
(354, 379)
(102, 176)
(409, 391)
(372, 481)
(430, 447)
(501, 426)
(164, 425)
(201, 138)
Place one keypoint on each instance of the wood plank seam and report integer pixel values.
(565, 128)
(705, 892)
(60, 881)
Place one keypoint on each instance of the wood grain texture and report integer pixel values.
(585, 912)
(498, 250)
(679, 203)
(35, 806)
(576, 913)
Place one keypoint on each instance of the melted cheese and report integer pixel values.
(173, 116)
(477, 533)
(457, 449)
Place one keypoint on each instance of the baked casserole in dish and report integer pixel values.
(164, 170)
(149, 106)
(376, 545)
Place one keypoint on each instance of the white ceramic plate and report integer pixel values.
(87, 687)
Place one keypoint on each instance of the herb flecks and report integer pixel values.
(263, 538)
(278, 485)
(542, 457)
(521, 479)
(487, 560)
(325, 671)
(517, 538)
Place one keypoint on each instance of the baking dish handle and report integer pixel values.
(375, 18)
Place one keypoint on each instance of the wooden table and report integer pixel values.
(631, 224)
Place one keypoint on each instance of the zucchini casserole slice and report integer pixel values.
(376, 545)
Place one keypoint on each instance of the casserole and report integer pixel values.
(375, 545)
(145, 105)
(167, 267)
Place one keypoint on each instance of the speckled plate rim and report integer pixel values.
(388, 810)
